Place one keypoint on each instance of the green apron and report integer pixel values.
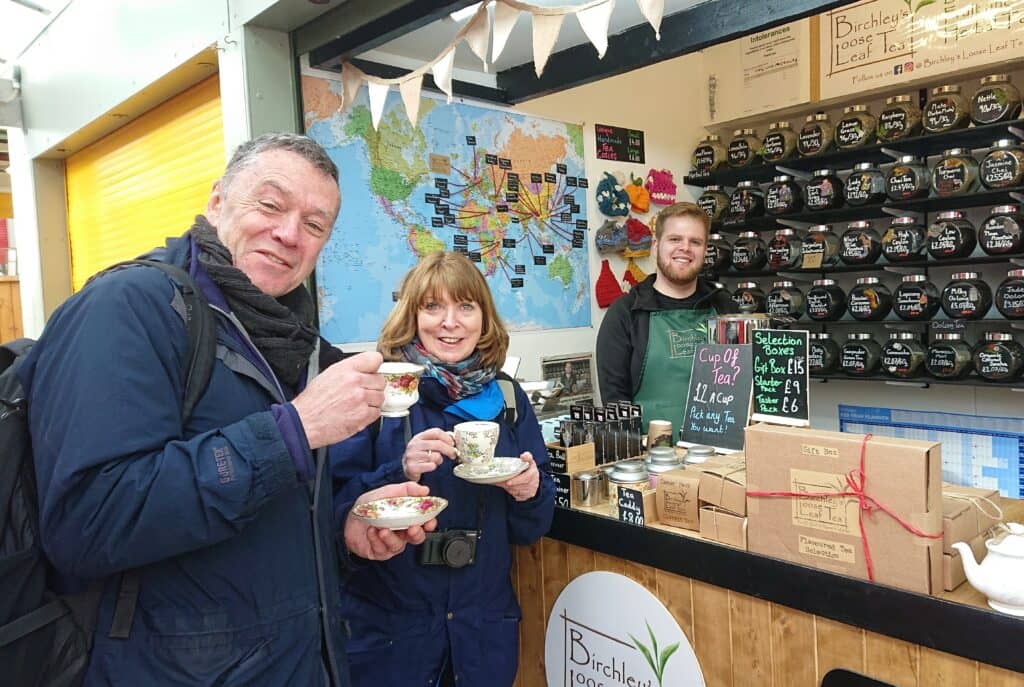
(665, 376)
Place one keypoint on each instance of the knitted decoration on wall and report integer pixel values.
(607, 288)
(611, 237)
(661, 186)
(612, 199)
(633, 274)
(639, 198)
(639, 236)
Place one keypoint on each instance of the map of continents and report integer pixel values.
(508, 190)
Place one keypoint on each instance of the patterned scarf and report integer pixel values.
(462, 379)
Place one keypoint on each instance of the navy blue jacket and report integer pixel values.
(406, 618)
(235, 555)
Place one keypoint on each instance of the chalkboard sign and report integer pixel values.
(780, 377)
(718, 400)
(561, 490)
(631, 506)
(619, 144)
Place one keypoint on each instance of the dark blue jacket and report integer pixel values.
(235, 555)
(406, 617)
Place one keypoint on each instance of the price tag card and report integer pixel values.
(631, 506)
(562, 490)
(780, 377)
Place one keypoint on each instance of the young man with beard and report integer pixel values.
(646, 342)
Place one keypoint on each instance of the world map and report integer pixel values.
(506, 189)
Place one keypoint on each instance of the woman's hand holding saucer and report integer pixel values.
(523, 486)
(425, 452)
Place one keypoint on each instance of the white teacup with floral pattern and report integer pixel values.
(402, 388)
(476, 441)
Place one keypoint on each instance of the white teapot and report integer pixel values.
(1000, 577)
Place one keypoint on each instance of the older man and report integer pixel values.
(225, 519)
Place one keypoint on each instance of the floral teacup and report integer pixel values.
(476, 441)
(401, 392)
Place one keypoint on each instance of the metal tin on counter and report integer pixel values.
(946, 110)
(661, 459)
(869, 299)
(779, 143)
(784, 250)
(1003, 166)
(1010, 295)
(909, 178)
(967, 297)
(785, 300)
(956, 173)
(859, 244)
(816, 136)
(826, 301)
(824, 191)
(997, 100)
(866, 185)
(904, 240)
(903, 355)
(709, 156)
(916, 299)
(861, 355)
(749, 252)
(819, 241)
(900, 119)
(949, 356)
(951, 235)
(749, 297)
(714, 201)
(857, 127)
(746, 202)
(717, 254)
(1002, 232)
(589, 488)
(744, 149)
(736, 329)
(699, 453)
(630, 474)
(822, 354)
(783, 196)
(999, 358)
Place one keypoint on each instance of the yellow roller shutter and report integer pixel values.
(144, 182)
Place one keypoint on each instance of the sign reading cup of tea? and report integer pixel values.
(605, 630)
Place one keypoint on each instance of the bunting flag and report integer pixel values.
(505, 16)
(653, 10)
(443, 73)
(410, 90)
(478, 37)
(594, 21)
(378, 96)
(351, 79)
(545, 33)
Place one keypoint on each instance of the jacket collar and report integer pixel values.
(647, 298)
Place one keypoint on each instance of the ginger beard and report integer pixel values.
(680, 250)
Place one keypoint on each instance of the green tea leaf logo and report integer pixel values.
(657, 661)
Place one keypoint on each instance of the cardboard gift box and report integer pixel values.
(953, 574)
(966, 512)
(723, 483)
(901, 476)
(723, 527)
(676, 498)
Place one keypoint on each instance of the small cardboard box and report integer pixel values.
(723, 527)
(572, 459)
(723, 483)
(676, 498)
(823, 532)
(966, 512)
(953, 565)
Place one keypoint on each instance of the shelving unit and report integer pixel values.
(923, 381)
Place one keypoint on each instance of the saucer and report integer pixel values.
(491, 472)
(400, 512)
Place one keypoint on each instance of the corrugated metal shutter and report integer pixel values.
(144, 182)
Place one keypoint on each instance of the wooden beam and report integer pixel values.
(684, 32)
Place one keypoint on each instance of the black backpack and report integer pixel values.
(45, 638)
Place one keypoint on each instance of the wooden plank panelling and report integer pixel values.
(10, 310)
(939, 669)
(676, 593)
(990, 676)
(556, 572)
(838, 646)
(609, 563)
(793, 648)
(891, 660)
(581, 561)
(711, 633)
(531, 629)
(642, 574)
(751, 623)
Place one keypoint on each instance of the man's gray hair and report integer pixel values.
(309, 149)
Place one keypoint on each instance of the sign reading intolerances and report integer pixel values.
(780, 377)
(718, 400)
(619, 144)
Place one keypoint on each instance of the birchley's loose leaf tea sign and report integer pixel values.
(619, 144)
(718, 400)
(780, 377)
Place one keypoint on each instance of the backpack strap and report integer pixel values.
(508, 392)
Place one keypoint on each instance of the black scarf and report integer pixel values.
(281, 328)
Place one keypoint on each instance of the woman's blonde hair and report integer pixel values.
(436, 275)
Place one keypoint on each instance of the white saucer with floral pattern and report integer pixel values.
(491, 472)
(400, 512)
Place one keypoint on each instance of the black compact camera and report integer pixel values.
(454, 548)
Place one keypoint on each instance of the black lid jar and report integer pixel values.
(744, 149)
(900, 119)
(951, 235)
(779, 143)
(816, 136)
(856, 128)
(714, 201)
(749, 252)
(869, 299)
(746, 202)
(783, 196)
(709, 156)
(909, 178)
(1002, 232)
(946, 110)
(824, 191)
(859, 244)
(784, 250)
(785, 300)
(749, 297)
(997, 100)
(820, 247)
(966, 297)
(826, 301)
(865, 185)
(903, 355)
(822, 354)
(717, 254)
(1010, 295)
(1003, 166)
(860, 355)
(956, 173)
(916, 298)
(904, 240)
(949, 356)
(999, 358)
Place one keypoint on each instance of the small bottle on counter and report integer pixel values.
(956, 173)
(824, 191)
(714, 201)
(709, 156)
(999, 358)
(857, 127)
(946, 110)
(816, 136)
(966, 297)
(749, 252)
(784, 250)
(744, 149)
(717, 254)
(779, 143)
(916, 299)
(749, 297)
(866, 185)
(949, 356)
(826, 301)
(819, 241)
(860, 244)
(903, 355)
(908, 179)
(860, 355)
(822, 354)
(997, 100)
(900, 119)
(785, 300)
(1010, 295)
(783, 196)
(904, 240)
(951, 236)
(869, 299)
(1003, 166)
(746, 202)
(1002, 232)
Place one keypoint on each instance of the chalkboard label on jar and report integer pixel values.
(631, 506)
(739, 152)
(778, 199)
(961, 300)
(911, 302)
(854, 358)
(859, 305)
(704, 160)
(902, 183)
(945, 239)
(1010, 299)
(942, 360)
(856, 246)
(774, 145)
(1000, 169)
(708, 205)
(990, 105)
(819, 195)
(897, 359)
(951, 177)
(893, 123)
(1001, 234)
(819, 304)
(994, 361)
(849, 132)
(741, 257)
(811, 139)
(940, 114)
(901, 244)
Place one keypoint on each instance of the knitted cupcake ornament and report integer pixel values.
(661, 186)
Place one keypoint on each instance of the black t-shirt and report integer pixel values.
(688, 303)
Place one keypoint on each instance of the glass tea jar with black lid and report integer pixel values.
(908, 179)
(822, 353)
(820, 247)
(997, 100)
(1010, 295)
(783, 196)
(779, 143)
(966, 297)
(900, 119)
(915, 299)
(824, 191)
(746, 202)
(717, 254)
(999, 358)
(816, 136)
(714, 201)
(865, 185)
(784, 250)
(904, 240)
(856, 128)
(951, 236)
(749, 252)
(955, 174)
(826, 301)
(709, 156)
(1002, 232)
(860, 355)
(869, 299)
(949, 356)
(946, 110)
(744, 149)
(903, 355)
(749, 297)
(1003, 165)
(860, 244)
(785, 300)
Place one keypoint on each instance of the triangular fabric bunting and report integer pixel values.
(410, 90)
(443, 73)
(545, 33)
(594, 22)
(478, 35)
(504, 20)
(378, 96)
(351, 80)
(653, 10)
